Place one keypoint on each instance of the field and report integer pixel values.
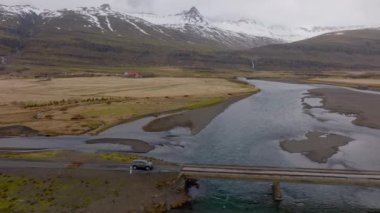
(92, 104)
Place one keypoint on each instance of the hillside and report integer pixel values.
(99, 39)
(344, 50)
(102, 37)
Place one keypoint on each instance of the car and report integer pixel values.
(142, 164)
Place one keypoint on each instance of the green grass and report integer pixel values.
(40, 155)
(43, 194)
(118, 157)
(23, 194)
(110, 110)
(204, 103)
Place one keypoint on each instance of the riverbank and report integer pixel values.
(137, 146)
(355, 79)
(365, 106)
(320, 146)
(74, 106)
(195, 120)
(76, 190)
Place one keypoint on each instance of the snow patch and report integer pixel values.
(109, 24)
(94, 20)
(137, 27)
(19, 9)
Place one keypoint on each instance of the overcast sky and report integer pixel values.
(288, 12)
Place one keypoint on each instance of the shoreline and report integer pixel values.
(358, 86)
(121, 102)
(195, 120)
(344, 101)
(168, 112)
(137, 146)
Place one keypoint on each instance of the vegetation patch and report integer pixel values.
(205, 102)
(40, 155)
(44, 194)
(118, 157)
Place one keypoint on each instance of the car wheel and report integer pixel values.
(134, 167)
(147, 168)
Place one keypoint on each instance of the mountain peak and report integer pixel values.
(193, 16)
(194, 10)
(105, 7)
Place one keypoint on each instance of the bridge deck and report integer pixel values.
(297, 175)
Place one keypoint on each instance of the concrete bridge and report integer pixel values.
(277, 175)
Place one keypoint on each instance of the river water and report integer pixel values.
(249, 133)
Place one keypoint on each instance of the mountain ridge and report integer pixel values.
(100, 36)
(93, 37)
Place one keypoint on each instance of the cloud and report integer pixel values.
(287, 12)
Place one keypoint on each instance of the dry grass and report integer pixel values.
(30, 90)
(116, 100)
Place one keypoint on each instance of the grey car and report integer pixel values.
(142, 164)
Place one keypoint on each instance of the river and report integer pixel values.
(249, 132)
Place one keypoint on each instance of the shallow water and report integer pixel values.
(249, 133)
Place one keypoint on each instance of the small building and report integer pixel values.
(132, 75)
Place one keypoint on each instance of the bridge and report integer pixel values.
(277, 175)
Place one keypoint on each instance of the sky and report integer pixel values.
(281, 12)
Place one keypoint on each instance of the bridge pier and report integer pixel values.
(276, 191)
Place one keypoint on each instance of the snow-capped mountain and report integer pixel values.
(289, 34)
(189, 26)
(101, 36)
(245, 25)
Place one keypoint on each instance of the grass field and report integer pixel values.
(92, 104)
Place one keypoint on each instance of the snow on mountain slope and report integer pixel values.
(188, 27)
(244, 26)
(289, 34)
(193, 22)
(19, 10)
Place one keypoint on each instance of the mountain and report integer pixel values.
(344, 50)
(288, 34)
(245, 25)
(100, 36)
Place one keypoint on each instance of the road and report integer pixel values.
(90, 166)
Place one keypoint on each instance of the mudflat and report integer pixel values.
(317, 146)
(364, 105)
(138, 146)
(195, 120)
